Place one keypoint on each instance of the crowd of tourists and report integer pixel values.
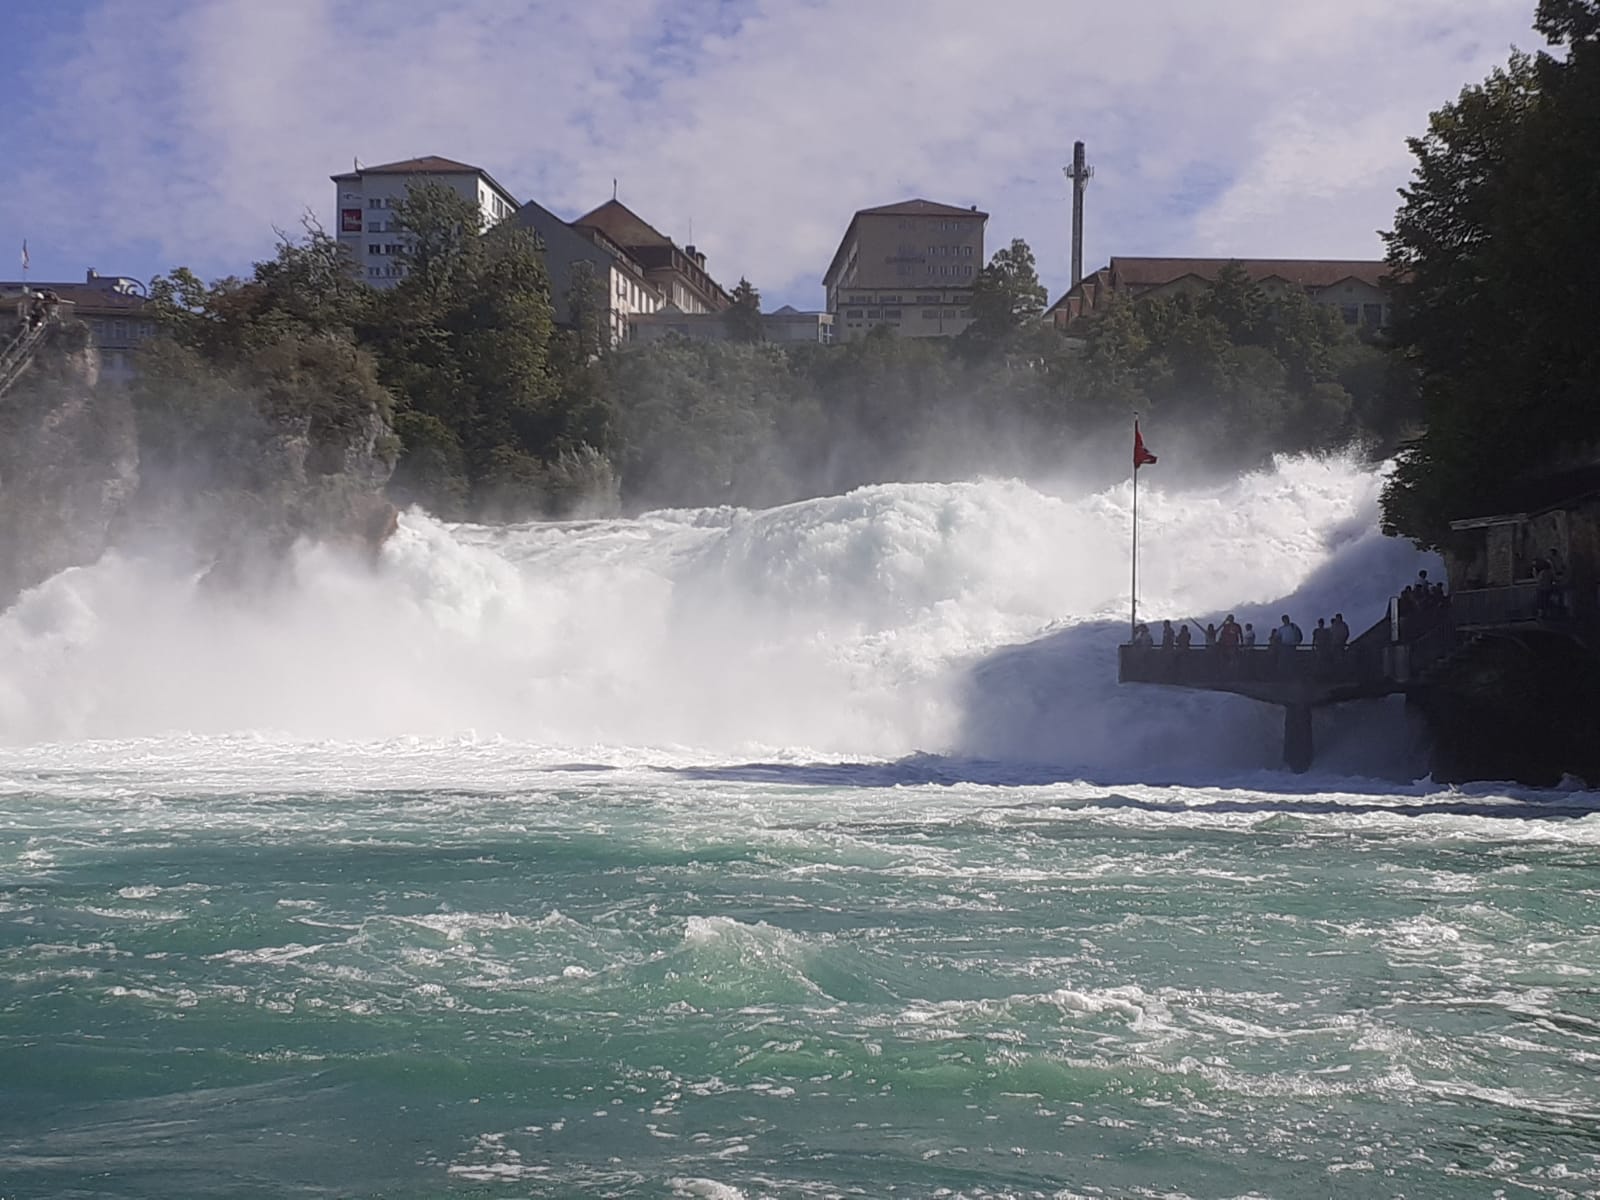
(1420, 606)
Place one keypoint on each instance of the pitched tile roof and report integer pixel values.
(1304, 272)
(623, 226)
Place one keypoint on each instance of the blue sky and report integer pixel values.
(150, 133)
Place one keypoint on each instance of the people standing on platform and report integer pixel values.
(1289, 636)
(1338, 633)
(1169, 639)
(1210, 634)
(1184, 637)
(1249, 636)
(1142, 638)
(1319, 636)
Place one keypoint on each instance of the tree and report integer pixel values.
(1493, 248)
(1239, 303)
(589, 316)
(743, 316)
(1006, 295)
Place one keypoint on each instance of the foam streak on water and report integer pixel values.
(803, 853)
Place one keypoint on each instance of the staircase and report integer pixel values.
(18, 353)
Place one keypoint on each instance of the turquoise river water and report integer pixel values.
(798, 854)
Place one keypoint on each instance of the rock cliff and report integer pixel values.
(75, 480)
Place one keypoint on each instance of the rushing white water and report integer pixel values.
(667, 857)
(874, 624)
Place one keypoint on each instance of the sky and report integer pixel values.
(144, 134)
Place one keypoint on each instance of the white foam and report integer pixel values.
(842, 626)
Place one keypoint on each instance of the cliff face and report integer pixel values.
(1525, 708)
(69, 467)
(73, 481)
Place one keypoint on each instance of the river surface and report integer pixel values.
(805, 853)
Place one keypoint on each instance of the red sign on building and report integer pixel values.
(349, 220)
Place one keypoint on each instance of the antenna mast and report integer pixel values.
(1080, 173)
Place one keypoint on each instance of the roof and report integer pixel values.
(623, 226)
(921, 208)
(1304, 272)
(902, 208)
(427, 164)
(82, 296)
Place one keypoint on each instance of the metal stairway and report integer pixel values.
(18, 353)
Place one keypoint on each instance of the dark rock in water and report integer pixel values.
(1524, 708)
(69, 466)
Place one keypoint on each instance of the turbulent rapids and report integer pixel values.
(806, 852)
(870, 624)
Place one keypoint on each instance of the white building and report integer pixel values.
(628, 293)
(909, 267)
(367, 196)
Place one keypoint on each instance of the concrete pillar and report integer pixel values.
(1297, 737)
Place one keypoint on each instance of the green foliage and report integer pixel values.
(1494, 246)
(743, 317)
(1006, 296)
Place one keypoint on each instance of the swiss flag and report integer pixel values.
(1140, 454)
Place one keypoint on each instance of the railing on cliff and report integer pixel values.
(1390, 656)
(18, 353)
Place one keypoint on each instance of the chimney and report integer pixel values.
(1080, 175)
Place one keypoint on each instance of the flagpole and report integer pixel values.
(1133, 586)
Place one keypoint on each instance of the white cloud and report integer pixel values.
(1249, 127)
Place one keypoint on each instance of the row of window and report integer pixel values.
(117, 329)
(894, 298)
(912, 224)
(894, 314)
(391, 271)
(385, 248)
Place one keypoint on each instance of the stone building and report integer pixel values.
(908, 266)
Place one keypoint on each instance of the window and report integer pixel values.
(932, 250)
(374, 202)
(967, 270)
(374, 272)
(927, 299)
(930, 314)
(1372, 314)
(950, 312)
(967, 250)
(374, 226)
(889, 298)
(860, 299)
(393, 248)
(374, 248)
(1351, 313)
(891, 314)
(854, 313)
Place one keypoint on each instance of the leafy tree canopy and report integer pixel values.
(1494, 247)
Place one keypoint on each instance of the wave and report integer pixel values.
(973, 619)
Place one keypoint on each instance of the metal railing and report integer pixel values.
(1220, 666)
(18, 353)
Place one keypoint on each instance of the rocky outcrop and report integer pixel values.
(73, 482)
(1524, 708)
(69, 466)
